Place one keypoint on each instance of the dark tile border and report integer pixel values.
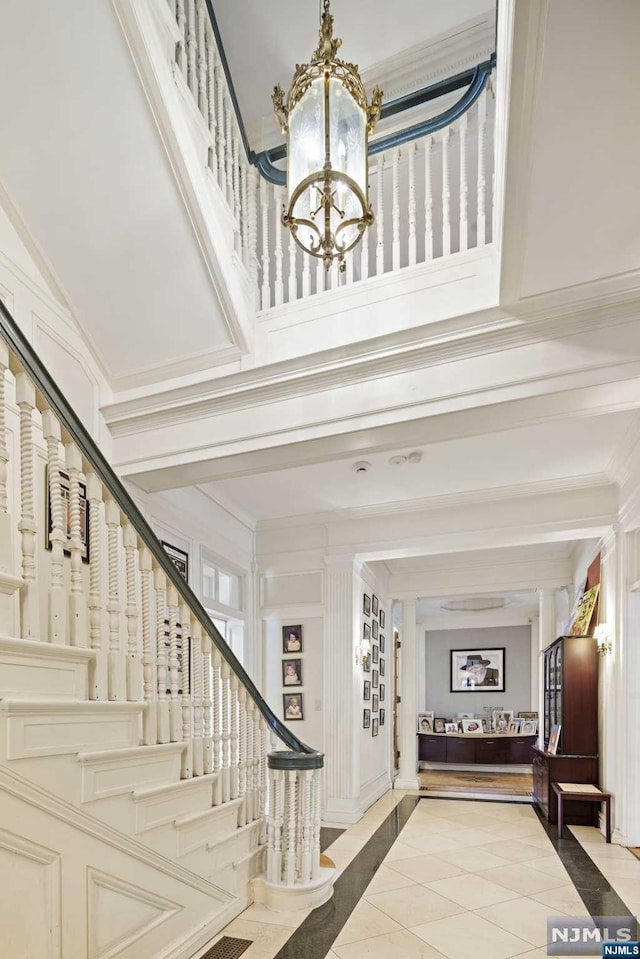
(314, 937)
(328, 836)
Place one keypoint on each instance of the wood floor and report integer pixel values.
(477, 782)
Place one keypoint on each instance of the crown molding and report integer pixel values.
(186, 366)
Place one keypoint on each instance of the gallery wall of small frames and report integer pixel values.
(292, 673)
(374, 664)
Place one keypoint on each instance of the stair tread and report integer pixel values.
(195, 816)
(129, 752)
(150, 791)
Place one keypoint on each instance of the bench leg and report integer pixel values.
(559, 816)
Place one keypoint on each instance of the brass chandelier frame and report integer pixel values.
(326, 244)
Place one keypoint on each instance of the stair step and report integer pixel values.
(203, 829)
(32, 670)
(41, 728)
(113, 772)
(157, 805)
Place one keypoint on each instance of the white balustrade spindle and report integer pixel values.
(187, 705)
(198, 693)
(162, 657)
(135, 688)
(175, 705)
(29, 613)
(57, 619)
(6, 524)
(149, 677)
(99, 674)
(77, 549)
(117, 656)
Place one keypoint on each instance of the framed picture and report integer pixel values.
(366, 605)
(292, 672)
(179, 558)
(582, 619)
(438, 725)
(476, 670)
(465, 715)
(374, 704)
(381, 692)
(366, 631)
(374, 727)
(451, 727)
(529, 727)
(374, 605)
(529, 715)
(375, 654)
(292, 639)
(374, 678)
(471, 725)
(425, 722)
(374, 628)
(366, 695)
(366, 718)
(366, 663)
(382, 715)
(292, 706)
(381, 667)
(554, 740)
(66, 512)
(381, 641)
(514, 726)
(485, 726)
(501, 719)
(382, 618)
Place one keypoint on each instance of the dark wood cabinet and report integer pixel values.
(570, 700)
(470, 750)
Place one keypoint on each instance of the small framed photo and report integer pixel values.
(366, 631)
(374, 704)
(471, 725)
(382, 667)
(514, 726)
(529, 727)
(366, 695)
(375, 654)
(292, 672)
(425, 722)
(382, 715)
(292, 706)
(179, 558)
(382, 618)
(485, 726)
(438, 725)
(66, 513)
(381, 692)
(374, 628)
(366, 663)
(374, 678)
(382, 643)
(451, 727)
(529, 715)
(476, 670)
(374, 727)
(366, 718)
(366, 605)
(374, 605)
(501, 719)
(292, 639)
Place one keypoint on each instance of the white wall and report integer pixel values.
(376, 751)
(310, 728)
(516, 641)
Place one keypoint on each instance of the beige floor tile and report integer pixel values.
(516, 851)
(267, 938)
(401, 850)
(540, 841)
(472, 891)
(459, 938)
(426, 868)
(629, 891)
(387, 878)
(366, 922)
(259, 913)
(599, 851)
(405, 905)
(516, 829)
(565, 899)
(434, 843)
(521, 878)
(587, 834)
(552, 866)
(620, 868)
(473, 820)
(473, 859)
(403, 945)
(524, 918)
(473, 837)
(424, 826)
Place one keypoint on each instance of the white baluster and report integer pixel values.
(306, 777)
(380, 217)
(6, 530)
(233, 738)
(57, 620)
(364, 256)
(216, 727)
(196, 659)
(348, 272)
(225, 777)
(255, 768)
(187, 704)
(77, 601)
(181, 56)
(235, 190)
(306, 275)
(428, 199)
(291, 779)
(207, 707)
(264, 197)
(99, 675)
(315, 803)
(293, 276)
(242, 755)
(482, 176)
(249, 816)
(278, 794)
(162, 656)
(411, 153)
(245, 215)
(396, 209)
(320, 276)
(202, 19)
(262, 772)
(446, 195)
(149, 676)
(464, 188)
(334, 275)
(29, 614)
(228, 140)
(192, 74)
(222, 145)
(211, 96)
(175, 706)
(135, 687)
(117, 657)
(253, 233)
(279, 286)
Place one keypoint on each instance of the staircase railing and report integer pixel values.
(151, 638)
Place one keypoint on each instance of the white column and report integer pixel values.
(407, 776)
(624, 663)
(546, 635)
(341, 707)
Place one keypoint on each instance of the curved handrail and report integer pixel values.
(47, 387)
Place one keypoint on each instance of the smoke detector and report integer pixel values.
(415, 457)
(398, 460)
(362, 466)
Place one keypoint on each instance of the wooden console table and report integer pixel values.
(488, 749)
(581, 792)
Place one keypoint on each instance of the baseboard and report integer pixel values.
(203, 937)
(340, 813)
(475, 768)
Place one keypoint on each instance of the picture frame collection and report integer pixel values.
(292, 676)
(373, 665)
(501, 721)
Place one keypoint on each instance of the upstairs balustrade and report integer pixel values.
(432, 197)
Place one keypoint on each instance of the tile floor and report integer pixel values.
(462, 878)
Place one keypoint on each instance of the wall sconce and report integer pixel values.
(602, 636)
(362, 651)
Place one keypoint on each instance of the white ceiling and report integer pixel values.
(264, 41)
(545, 453)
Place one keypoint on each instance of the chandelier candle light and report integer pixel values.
(327, 121)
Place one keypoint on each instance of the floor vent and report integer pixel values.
(228, 948)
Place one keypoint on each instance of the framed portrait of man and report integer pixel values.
(477, 670)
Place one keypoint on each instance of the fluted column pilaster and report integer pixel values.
(407, 776)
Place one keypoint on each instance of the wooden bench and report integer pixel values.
(582, 792)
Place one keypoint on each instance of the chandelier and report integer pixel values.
(327, 121)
